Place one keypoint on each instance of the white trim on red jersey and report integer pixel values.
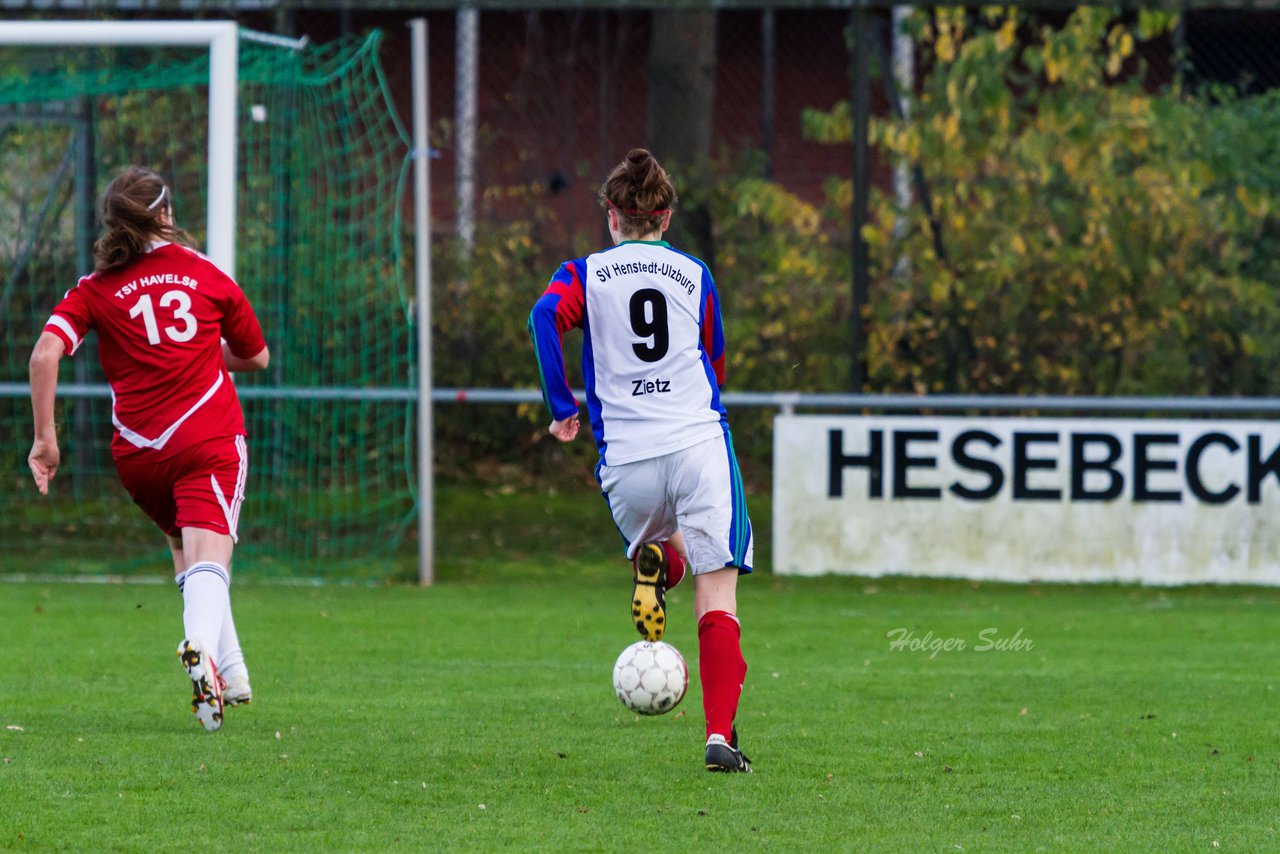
(139, 441)
(61, 323)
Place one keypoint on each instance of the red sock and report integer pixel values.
(722, 669)
(675, 565)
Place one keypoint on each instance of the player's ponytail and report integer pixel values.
(640, 190)
(137, 208)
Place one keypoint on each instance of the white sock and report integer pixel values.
(206, 603)
(230, 657)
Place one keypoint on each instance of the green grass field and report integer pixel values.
(478, 715)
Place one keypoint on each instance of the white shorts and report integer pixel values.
(696, 492)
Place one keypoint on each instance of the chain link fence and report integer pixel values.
(1068, 201)
(562, 93)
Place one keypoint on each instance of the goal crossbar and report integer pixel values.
(221, 38)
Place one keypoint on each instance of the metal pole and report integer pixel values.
(86, 179)
(468, 84)
(224, 71)
(769, 55)
(422, 287)
(904, 74)
(604, 99)
(861, 97)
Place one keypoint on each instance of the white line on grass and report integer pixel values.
(33, 578)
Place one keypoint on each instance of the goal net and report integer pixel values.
(322, 160)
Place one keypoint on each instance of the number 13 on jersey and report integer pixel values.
(180, 303)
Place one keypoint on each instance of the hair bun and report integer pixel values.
(640, 163)
(640, 190)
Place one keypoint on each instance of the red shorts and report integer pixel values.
(199, 487)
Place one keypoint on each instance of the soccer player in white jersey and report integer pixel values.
(653, 365)
(170, 326)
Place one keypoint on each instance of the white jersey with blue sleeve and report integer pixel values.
(652, 350)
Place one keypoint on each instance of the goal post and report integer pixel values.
(297, 155)
(422, 282)
(221, 38)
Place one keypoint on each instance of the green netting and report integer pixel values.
(321, 162)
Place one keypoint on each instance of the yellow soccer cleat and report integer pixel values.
(648, 593)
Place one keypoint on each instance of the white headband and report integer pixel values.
(159, 198)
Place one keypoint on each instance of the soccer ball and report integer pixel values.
(650, 677)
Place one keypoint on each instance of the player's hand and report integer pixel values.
(566, 429)
(43, 460)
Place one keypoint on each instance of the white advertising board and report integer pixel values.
(1028, 499)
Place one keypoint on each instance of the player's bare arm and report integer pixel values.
(44, 456)
(236, 364)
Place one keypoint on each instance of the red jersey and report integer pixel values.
(160, 324)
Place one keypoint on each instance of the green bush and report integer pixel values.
(1097, 237)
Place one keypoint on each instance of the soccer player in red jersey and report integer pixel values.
(171, 326)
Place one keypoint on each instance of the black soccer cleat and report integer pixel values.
(648, 594)
(206, 684)
(724, 756)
